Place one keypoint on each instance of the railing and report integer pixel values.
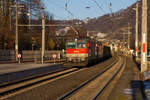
(29, 55)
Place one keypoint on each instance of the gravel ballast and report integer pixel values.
(55, 89)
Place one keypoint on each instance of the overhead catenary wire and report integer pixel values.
(106, 3)
(99, 6)
(126, 1)
(68, 11)
(109, 5)
(39, 10)
(35, 14)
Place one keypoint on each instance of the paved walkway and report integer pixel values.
(13, 72)
(129, 86)
(8, 68)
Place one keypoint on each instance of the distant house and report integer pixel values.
(61, 32)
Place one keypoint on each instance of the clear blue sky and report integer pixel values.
(79, 10)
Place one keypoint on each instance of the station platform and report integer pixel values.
(14, 71)
(129, 86)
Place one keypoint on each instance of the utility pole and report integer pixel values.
(136, 27)
(124, 40)
(144, 37)
(43, 35)
(16, 42)
(129, 36)
(110, 6)
(10, 20)
(66, 5)
(29, 14)
(87, 34)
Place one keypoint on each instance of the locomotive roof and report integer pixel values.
(84, 39)
(79, 39)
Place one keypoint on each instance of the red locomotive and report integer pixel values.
(84, 51)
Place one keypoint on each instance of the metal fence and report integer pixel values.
(28, 55)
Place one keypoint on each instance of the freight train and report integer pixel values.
(85, 51)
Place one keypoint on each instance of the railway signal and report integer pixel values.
(54, 57)
(19, 57)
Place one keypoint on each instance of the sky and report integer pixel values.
(83, 9)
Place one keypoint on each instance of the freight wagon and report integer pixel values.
(85, 51)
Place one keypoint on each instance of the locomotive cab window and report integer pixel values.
(81, 45)
(71, 45)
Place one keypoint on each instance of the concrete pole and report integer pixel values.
(10, 19)
(66, 5)
(136, 27)
(129, 36)
(16, 42)
(110, 6)
(43, 35)
(87, 34)
(29, 11)
(124, 40)
(3, 7)
(0, 9)
(144, 37)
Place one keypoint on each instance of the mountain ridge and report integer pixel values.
(115, 24)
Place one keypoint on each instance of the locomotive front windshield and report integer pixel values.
(78, 44)
(81, 45)
(71, 45)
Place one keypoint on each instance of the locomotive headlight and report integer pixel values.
(69, 59)
(83, 59)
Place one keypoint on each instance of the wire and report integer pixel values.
(58, 17)
(124, 4)
(33, 7)
(109, 5)
(68, 11)
(106, 3)
(98, 5)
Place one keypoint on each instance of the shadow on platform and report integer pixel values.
(140, 90)
(138, 64)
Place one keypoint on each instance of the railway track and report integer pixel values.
(81, 92)
(110, 80)
(10, 89)
(4, 84)
(14, 88)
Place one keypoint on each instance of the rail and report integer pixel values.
(101, 90)
(10, 88)
(85, 83)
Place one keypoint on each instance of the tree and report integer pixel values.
(7, 20)
(51, 44)
(5, 33)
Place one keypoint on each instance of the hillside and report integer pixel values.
(116, 24)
